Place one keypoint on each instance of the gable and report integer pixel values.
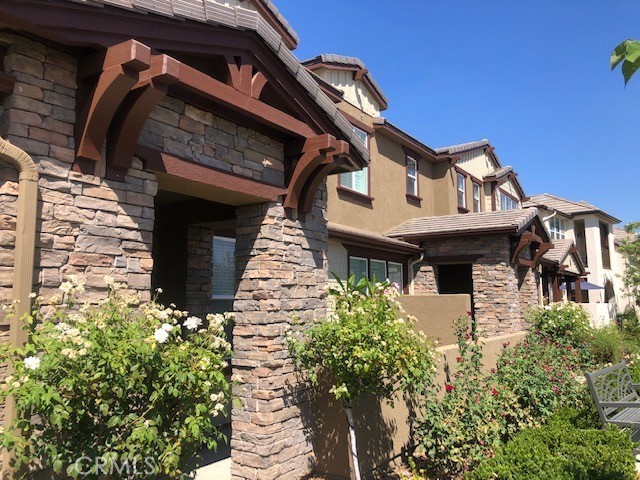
(477, 163)
(354, 91)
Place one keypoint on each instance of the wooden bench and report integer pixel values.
(616, 397)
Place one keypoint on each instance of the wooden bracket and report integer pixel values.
(121, 67)
(128, 124)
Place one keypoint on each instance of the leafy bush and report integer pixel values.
(563, 322)
(628, 322)
(560, 451)
(475, 415)
(367, 345)
(605, 345)
(116, 387)
(544, 375)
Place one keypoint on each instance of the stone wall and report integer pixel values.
(188, 132)
(283, 273)
(87, 226)
(501, 292)
(199, 270)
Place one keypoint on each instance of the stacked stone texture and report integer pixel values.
(94, 227)
(283, 274)
(502, 292)
(188, 132)
(199, 270)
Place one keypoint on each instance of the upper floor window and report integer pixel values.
(357, 181)
(224, 268)
(604, 245)
(477, 205)
(557, 228)
(412, 176)
(507, 202)
(462, 191)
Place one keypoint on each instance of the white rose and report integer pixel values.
(32, 362)
(160, 335)
(167, 327)
(192, 323)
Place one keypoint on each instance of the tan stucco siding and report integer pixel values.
(354, 91)
(387, 186)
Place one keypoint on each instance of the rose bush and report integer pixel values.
(119, 388)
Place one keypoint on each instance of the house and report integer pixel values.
(591, 230)
(157, 141)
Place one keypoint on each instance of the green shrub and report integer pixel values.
(116, 387)
(563, 322)
(544, 375)
(605, 345)
(475, 415)
(629, 323)
(560, 451)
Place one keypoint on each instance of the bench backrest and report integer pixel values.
(611, 384)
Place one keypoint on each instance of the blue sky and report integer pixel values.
(532, 77)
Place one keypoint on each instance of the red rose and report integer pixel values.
(459, 359)
(448, 388)
(494, 392)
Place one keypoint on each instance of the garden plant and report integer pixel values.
(119, 388)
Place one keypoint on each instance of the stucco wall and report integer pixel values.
(382, 430)
(435, 314)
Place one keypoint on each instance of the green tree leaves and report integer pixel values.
(627, 52)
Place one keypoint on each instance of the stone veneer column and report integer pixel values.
(282, 273)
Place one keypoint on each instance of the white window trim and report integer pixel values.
(352, 181)
(413, 177)
(463, 191)
(386, 270)
(477, 199)
(557, 228)
(366, 263)
(229, 240)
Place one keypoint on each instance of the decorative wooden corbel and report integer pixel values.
(240, 73)
(315, 163)
(525, 239)
(118, 71)
(127, 126)
(542, 249)
(258, 82)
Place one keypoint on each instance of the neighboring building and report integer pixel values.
(591, 230)
(202, 146)
(625, 297)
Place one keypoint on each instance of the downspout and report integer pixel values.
(24, 252)
(412, 275)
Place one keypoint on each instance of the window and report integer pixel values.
(357, 181)
(507, 202)
(376, 269)
(412, 176)
(223, 280)
(604, 245)
(462, 197)
(581, 242)
(477, 206)
(358, 266)
(395, 274)
(557, 228)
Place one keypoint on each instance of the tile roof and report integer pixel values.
(239, 18)
(335, 59)
(462, 147)
(559, 251)
(507, 221)
(566, 207)
(337, 231)
(498, 173)
(620, 235)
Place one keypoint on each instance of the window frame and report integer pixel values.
(557, 228)
(605, 251)
(479, 199)
(509, 198)
(356, 257)
(416, 176)
(360, 253)
(463, 191)
(229, 240)
(351, 175)
(401, 284)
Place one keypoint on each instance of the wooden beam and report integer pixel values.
(258, 82)
(110, 90)
(7, 83)
(128, 124)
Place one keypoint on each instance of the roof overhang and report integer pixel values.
(371, 240)
(389, 130)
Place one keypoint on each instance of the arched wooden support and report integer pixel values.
(525, 239)
(240, 74)
(314, 153)
(542, 249)
(257, 84)
(309, 191)
(128, 124)
(120, 72)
